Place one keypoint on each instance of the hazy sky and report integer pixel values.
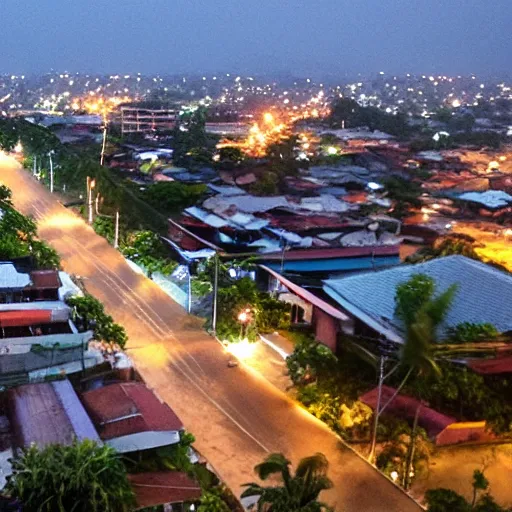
(299, 36)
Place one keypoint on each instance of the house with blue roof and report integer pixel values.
(484, 294)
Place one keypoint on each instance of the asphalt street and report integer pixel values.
(236, 415)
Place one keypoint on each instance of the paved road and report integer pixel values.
(236, 415)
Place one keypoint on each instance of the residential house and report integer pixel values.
(483, 294)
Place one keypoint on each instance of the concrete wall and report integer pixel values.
(326, 328)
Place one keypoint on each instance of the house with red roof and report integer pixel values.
(129, 417)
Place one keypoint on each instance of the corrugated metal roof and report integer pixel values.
(10, 278)
(153, 489)
(129, 408)
(484, 294)
(48, 413)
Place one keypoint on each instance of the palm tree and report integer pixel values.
(298, 492)
(422, 314)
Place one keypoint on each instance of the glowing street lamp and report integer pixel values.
(244, 317)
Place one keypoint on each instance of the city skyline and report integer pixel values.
(320, 39)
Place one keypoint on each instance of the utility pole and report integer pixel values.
(90, 186)
(376, 413)
(104, 143)
(215, 293)
(34, 169)
(116, 232)
(189, 298)
(51, 171)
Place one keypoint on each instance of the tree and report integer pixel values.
(446, 246)
(83, 477)
(92, 313)
(421, 314)
(298, 492)
(446, 500)
(173, 196)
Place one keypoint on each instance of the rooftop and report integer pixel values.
(48, 413)
(153, 489)
(10, 278)
(484, 294)
(130, 417)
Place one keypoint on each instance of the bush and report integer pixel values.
(173, 196)
(309, 360)
(469, 332)
(445, 500)
(83, 477)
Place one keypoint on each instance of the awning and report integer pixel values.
(307, 296)
(25, 317)
(153, 489)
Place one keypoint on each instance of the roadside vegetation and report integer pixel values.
(425, 367)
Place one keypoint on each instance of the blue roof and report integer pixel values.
(484, 294)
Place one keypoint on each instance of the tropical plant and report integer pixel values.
(93, 316)
(446, 500)
(82, 477)
(299, 492)
(421, 314)
(308, 360)
(173, 196)
(211, 501)
(469, 332)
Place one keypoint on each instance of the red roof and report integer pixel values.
(492, 366)
(25, 317)
(307, 295)
(45, 279)
(129, 408)
(153, 489)
(405, 407)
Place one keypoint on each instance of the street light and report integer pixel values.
(91, 183)
(244, 317)
(50, 153)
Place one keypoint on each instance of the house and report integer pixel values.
(309, 309)
(39, 338)
(48, 413)
(130, 417)
(484, 294)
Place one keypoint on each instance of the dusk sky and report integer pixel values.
(296, 36)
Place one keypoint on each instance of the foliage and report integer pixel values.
(19, 236)
(92, 313)
(411, 296)
(272, 314)
(266, 185)
(393, 457)
(211, 501)
(404, 193)
(299, 492)
(469, 332)
(45, 257)
(282, 157)
(174, 457)
(309, 361)
(190, 137)
(83, 477)
(173, 196)
(231, 155)
(446, 246)
(446, 500)
(146, 249)
(348, 112)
